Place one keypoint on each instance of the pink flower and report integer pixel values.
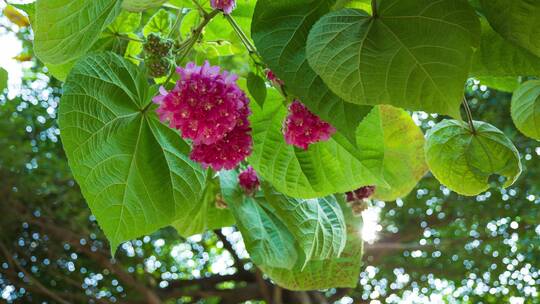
(204, 105)
(228, 152)
(227, 6)
(273, 78)
(302, 128)
(249, 181)
(360, 194)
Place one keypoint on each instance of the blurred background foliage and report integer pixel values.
(432, 246)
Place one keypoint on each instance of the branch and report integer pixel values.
(227, 245)
(263, 286)
(103, 259)
(31, 280)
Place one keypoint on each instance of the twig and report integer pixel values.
(374, 11)
(237, 261)
(31, 279)
(176, 26)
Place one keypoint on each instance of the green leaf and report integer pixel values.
(341, 272)
(526, 109)
(133, 49)
(133, 171)
(280, 29)
(160, 23)
(403, 144)
(60, 71)
(65, 30)
(464, 161)
(415, 54)
(267, 240)
(257, 88)
(317, 224)
(517, 21)
(268, 224)
(498, 63)
(205, 215)
(141, 5)
(4, 76)
(504, 84)
(125, 23)
(325, 168)
(28, 8)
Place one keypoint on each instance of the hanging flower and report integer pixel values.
(204, 105)
(249, 181)
(228, 152)
(227, 6)
(302, 128)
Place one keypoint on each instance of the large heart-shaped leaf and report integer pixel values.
(280, 30)
(464, 160)
(403, 144)
(327, 167)
(498, 63)
(516, 20)
(329, 273)
(317, 224)
(133, 171)
(65, 29)
(414, 54)
(526, 108)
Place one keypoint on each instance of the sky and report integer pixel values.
(10, 47)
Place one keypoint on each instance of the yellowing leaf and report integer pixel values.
(15, 16)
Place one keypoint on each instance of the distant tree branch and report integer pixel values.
(227, 245)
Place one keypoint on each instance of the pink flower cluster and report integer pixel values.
(302, 128)
(249, 181)
(360, 194)
(209, 108)
(227, 6)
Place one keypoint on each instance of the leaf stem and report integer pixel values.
(129, 38)
(374, 11)
(469, 115)
(176, 27)
(190, 42)
(252, 50)
(200, 8)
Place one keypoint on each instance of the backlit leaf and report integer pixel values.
(464, 161)
(325, 168)
(526, 109)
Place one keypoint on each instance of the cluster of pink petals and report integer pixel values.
(273, 78)
(209, 108)
(227, 6)
(249, 181)
(360, 194)
(228, 152)
(204, 105)
(303, 128)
